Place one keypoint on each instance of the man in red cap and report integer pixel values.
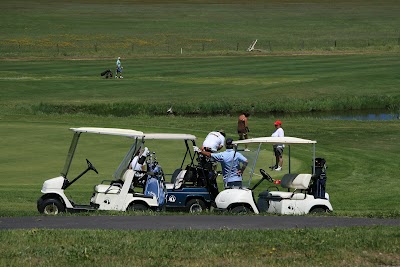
(278, 148)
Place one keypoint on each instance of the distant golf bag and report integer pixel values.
(319, 178)
(107, 74)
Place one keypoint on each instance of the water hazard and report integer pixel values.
(362, 115)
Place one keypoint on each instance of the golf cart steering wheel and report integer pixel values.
(91, 167)
(266, 176)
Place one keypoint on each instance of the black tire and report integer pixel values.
(319, 210)
(196, 206)
(137, 207)
(50, 206)
(241, 209)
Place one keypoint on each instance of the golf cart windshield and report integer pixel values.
(95, 130)
(259, 154)
(127, 159)
(174, 147)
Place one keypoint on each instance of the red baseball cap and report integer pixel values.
(278, 122)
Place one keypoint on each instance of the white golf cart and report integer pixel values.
(303, 193)
(119, 194)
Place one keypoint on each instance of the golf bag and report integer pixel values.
(319, 179)
(155, 187)
(107, 74)
(207, 163)
(155, 182)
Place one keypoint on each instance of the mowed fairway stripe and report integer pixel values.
(188, 222)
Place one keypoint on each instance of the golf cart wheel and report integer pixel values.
(137, 207)
(196, 205)
(51, 206)
(319, 210)
(240, 209)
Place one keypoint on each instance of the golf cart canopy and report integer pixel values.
(109, 131)
(168, 136)
(134, 133)
(276, 140)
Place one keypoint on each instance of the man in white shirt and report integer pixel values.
(278, 148)
(137, 163)
(214, 141)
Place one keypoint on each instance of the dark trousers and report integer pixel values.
(233, 184)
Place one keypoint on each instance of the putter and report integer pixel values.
(272, 167)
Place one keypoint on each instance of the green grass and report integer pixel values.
(313, 55)
(223, 85)
(354, 246)
(360, 156)
(314, 77)
(129, 28)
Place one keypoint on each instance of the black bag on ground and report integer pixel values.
(107, 73)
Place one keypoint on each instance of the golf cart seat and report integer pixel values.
(114, 188)
(178, 181)
(107, 189)
(296, 181)
(292, 181)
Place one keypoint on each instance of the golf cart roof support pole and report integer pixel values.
(313, 159)
(71, 153)
(190, 155)
(141, 146)
(289, 159)
(118, 174)
(190, 152)
(254, 164)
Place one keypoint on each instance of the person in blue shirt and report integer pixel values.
(233, 163)
(119, 69)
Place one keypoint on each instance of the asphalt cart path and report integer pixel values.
(202, 222)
